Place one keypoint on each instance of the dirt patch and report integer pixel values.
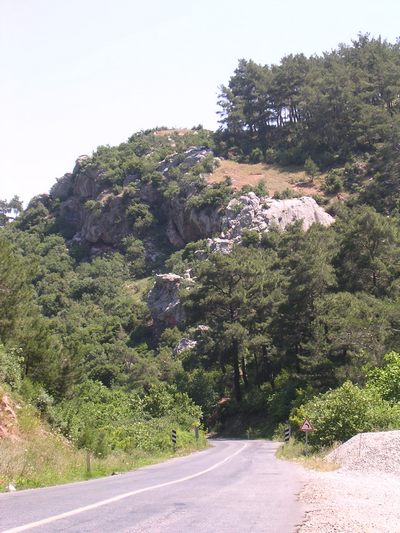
(175, 131)
(277, 179)
(8, 418)
(364, 495)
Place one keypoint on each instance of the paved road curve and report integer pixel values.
(236, 486)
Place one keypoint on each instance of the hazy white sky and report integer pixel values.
(75, 74)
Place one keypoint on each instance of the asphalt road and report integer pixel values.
(235, 486)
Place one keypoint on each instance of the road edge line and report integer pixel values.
(120, 497)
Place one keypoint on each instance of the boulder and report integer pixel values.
(260, 214)
(164, 301)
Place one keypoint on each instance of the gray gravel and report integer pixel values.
(363, 496)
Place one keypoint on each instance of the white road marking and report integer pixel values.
(79, 510)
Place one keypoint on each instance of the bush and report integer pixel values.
(270, 155)
(215, 195)
(286, 194)
(339, 414)
(333, 182)
(102, 420)
(10, 367)
(256, 155)
(387, 379)
(310, 167)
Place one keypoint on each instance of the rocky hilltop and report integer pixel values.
(155, 189)
(97, 215)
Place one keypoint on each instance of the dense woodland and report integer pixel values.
(297, 323)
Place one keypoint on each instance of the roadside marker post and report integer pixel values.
(306, 427)
(173, 438)
(88, 466)
(196, 435)
(286, 433)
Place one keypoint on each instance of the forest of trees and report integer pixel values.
(288, 317)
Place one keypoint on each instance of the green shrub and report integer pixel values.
(10, 367)
(103, 420)
(256, 155)
(310, 167)
(387, 379)
(333, 182)
(339, 414)
(216, 195)
(286, 194)
(270, 155)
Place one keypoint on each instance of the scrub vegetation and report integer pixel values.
(289, 324)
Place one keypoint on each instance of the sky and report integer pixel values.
(77, 74)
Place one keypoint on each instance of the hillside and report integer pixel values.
(223, 279)
(277, 178)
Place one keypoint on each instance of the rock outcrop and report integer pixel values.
(260, 214)
(185, 344)
(106, 224)
(247, 212)
(186, 224)
(164, 302)
(92, 213)
(189, 158)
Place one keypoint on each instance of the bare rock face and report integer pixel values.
(187, 224)
(62, 189)
(108, 225)
(189, 158)
(222, 246)
(185, 344)
(164, 302)
(8, 418)
(190, 224)
(260, 214)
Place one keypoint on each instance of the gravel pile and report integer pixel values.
(363, 496)
(351, 502)
(369, 452)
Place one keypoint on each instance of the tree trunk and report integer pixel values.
(244, 373)
(236, 371)
(256, 367)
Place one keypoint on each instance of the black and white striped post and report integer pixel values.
(286, 434)
(173, 438)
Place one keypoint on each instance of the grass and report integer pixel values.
(306, 455)
(33, 455)
(48, 459)
(277, 178)
(139, 288)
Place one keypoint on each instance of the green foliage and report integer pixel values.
(333, 182)
(215, 195)
(260, 189)
(9, 210)
(369, 246)
(386, 379)
(10, 367)
(94, 206)
(286, 194)
(102, 419)
(140, 215)
(340, 414)
(311, 168)
(319, 109)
